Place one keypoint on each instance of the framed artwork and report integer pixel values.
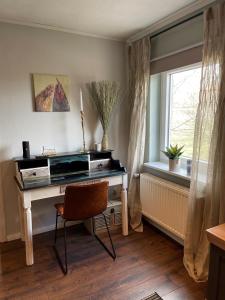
(51, 92)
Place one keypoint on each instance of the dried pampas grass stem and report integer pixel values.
(105, 95)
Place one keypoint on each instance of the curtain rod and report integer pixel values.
(177, 24)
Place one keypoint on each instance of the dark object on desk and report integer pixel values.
(26, 149)
(216, 280)
(81, 203)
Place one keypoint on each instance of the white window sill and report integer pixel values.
(162, 167)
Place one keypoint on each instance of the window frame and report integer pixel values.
(165, 110)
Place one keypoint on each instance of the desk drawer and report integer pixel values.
(59, 190)
(63, 187)
(35, 173)
(117, 180)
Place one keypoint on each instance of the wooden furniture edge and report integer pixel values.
(216, 236)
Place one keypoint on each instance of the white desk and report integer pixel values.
(26, 197)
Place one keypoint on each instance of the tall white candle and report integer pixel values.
(81, 101)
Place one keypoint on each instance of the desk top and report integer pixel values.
(62, 180)
(62, 154)
(216, 236)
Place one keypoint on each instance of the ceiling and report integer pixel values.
(113, 19)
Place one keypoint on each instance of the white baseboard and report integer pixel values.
(16, 236)
(52, 227)
(13, 236)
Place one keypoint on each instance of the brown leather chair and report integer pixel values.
(83, 202)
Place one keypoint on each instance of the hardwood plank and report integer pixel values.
(146, 262)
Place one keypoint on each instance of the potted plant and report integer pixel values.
(173, 153)
(104, 94)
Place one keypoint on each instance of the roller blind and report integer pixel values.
(180, 59)
(177, 47)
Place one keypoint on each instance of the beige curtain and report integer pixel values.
(139, 76)
(207, 194)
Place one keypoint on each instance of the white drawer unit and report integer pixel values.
(35, 173)
(100, 164)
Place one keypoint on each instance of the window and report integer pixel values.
(180, 96)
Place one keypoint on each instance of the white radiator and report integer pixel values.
(165, 203)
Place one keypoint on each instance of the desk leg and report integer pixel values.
(28, 229)
(124, 206)
(20, 207)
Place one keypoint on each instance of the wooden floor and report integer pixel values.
(146, 262)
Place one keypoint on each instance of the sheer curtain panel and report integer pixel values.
(207, 193)
(139, 76)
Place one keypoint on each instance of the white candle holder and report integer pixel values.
(82, 125)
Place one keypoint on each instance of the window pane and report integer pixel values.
(184, 96)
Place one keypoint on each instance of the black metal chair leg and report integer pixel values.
(63, 267)
(65, 248)
(113, 253)
(56, 226)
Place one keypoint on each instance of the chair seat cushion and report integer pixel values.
(60, 208)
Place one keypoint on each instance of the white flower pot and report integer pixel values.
(174, 165)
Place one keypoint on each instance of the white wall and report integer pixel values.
(24, 51)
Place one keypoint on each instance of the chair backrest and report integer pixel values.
(85, 201)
